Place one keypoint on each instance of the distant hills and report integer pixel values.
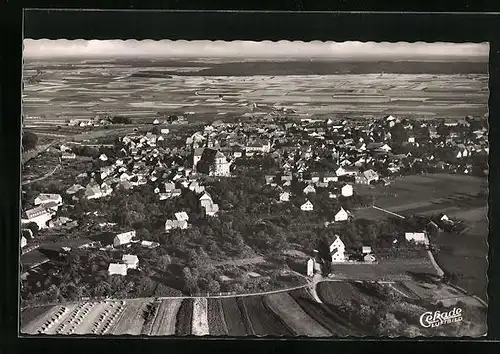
(276, 68)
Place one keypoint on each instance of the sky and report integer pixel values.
(111, 49)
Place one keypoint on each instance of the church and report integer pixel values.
(211, 162)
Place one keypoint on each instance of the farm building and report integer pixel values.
(43, 199)
(169, 186)
(307, 206)
(417, 237)
(131, 260)
(123, 238)
(337, 250)
(117, 268)
(39, 215)
(347, 190)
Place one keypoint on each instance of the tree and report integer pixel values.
(29, 140)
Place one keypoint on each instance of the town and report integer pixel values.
(230, 192)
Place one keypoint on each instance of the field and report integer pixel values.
(164, 323)
(362, 304)
(344, 308)
(139, 91)
(184, 318)
(385, 270)
(426, 194)
(459, 197)
(294, 317)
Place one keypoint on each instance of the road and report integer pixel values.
(43, 177)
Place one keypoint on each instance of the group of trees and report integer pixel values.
(29, 141)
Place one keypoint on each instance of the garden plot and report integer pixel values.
(184, 318)
(73, 320)
(46, 323)
(164, 323)
(233, 317)
(131, 320)
(295, 318)
(199, 326)
(103, 321)
(216, 322)
(30, 315)
(264, 321)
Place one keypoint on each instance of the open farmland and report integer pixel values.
(379, 309)
(233, 317)
(164, 322)
(216, 321)
(427, 194)
(388, 270)
(184, 318)
(200, 317)
(463, 255)
(264, 322)
(294, 317)
(136, 90)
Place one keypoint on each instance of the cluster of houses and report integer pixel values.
(339, 255)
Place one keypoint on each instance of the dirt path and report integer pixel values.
(43, 177)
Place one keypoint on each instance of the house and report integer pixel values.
(310, 267)
(340, 172)
(43, 199)
(369, 258)
(181, 216)
(330, 177)
(103, 157)
(366, 249)
(156, 122)
(269, 178)
(367, 177)
(169, 186)
(68, 156)
(262, 146)
(117, 268)
(149, 244)
(284, 197)
(123, 238)
(165, 132)
(131, 261)
(307, 206)
(417, 237)
(337, 250)
(175, 224)
(315, 177)
(75, 188)
(342, 215)
(347, 190)
(309, 189)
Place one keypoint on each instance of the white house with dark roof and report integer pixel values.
(309, 189)
(181, 216)
(342, 215)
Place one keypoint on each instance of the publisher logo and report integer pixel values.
(437, 318)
